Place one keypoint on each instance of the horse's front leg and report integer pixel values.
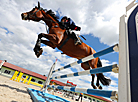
(38, 51)
(49, 43)
(52, 43)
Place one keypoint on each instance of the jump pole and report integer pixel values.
(103, 93)
(113, 68)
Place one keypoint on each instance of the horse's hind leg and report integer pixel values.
(97, 83)
(86, 66)
(99, 64)
(92, 82)
(93, 65)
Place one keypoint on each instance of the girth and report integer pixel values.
(64, 42)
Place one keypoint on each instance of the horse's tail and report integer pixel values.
(104, 80)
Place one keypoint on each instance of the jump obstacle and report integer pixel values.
(103, 93)
(127, 44)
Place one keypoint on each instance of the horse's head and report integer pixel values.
(35, 14)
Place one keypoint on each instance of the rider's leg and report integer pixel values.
(77, 40)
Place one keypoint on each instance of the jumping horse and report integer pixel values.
(59, 38)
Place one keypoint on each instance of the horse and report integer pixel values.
(58, 37)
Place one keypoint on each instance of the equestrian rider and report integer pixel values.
(72, 28)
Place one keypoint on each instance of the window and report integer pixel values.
(40, 82)
(7, 71)
(98, 101)
(94, 100)
(89, 98)
(24, 76)
(33, 80)
(85, 96)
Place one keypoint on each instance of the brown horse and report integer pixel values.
(59, 38)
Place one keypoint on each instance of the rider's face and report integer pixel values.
(63, 20)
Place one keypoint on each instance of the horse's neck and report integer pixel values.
(49, 20)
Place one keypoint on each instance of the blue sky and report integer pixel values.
(99, 20)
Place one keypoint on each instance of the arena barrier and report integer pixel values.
(103, 93)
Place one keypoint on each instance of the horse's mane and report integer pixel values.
(52, 14)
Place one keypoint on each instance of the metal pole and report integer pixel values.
(48, 77)
(2, 65)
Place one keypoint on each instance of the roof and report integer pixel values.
(14, 67)
(59, 83)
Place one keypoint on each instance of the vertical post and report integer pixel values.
(2, 65)
(133, 53)
(14, 75)
(25, 80)
(29, 80)
(123, 79)
(128, 55)
(19, 77)
(48, 77)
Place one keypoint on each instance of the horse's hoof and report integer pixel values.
(100, 87)
(39, 53)
(94, 87)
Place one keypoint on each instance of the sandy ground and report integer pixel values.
(12, 91)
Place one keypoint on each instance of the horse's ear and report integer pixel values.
(38, 4)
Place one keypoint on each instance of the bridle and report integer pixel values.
(39, 9)
(33, 15)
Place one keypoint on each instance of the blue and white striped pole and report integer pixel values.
(103, 93)
(90, 57)
(92, 71)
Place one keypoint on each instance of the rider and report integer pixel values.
(80, 96)
(73, 29)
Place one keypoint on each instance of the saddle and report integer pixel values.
(72, 36)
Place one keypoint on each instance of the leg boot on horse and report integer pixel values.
(38, 51)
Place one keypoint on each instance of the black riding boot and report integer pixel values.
(38, 51)
(77, 40)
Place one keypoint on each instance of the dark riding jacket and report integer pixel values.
(71, 25)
